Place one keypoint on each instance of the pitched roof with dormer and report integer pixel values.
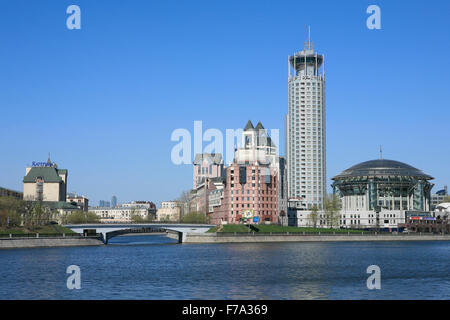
(48, 174)
(215, 158)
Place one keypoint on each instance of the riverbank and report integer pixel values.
(51, 229)
(271, 228)
(296, 237)
(44, 242)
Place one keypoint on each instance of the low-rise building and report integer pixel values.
(443, 211)
(120, 214)
(82, 202)
(148, 205)
(298, 216)
(145, 210)
(439, 197)
(11, 193)
(169, 211)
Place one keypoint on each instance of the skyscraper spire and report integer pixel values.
(309, 37)
(309, 45)
(381, 152)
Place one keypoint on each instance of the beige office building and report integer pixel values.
(43, 181)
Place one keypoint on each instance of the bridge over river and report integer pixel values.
(173, 230)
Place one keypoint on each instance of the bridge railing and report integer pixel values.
(331, 234)
(47, 235)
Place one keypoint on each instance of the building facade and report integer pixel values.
(11, 193)
(443, 211)
(249, 192)
(250, 195)
(119, 214)
(104, 204)
(126, 212)
(113, 201)
(439, 197)
(207, 165)
(169, 211)
(82, 202)
(305, 128)
(382, 194)
(43, 181)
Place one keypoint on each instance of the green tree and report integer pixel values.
(195, 217)
(79, 216)
(27, 211)
(134, 217)
(184, 200)
(447, 199)
(10, 212)
(91, 217)
(40, 215)
(314, 215)
(150, 218)
(76, 217)
(332, 208)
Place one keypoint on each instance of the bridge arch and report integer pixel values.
(175, 231)
(111, 234)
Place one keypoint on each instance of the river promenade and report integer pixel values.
(44, 242)
(71, 240)
(299, 237)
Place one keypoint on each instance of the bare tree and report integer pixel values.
(314, 215)
(184, 200)
(332, 208)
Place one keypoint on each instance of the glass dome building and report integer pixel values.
(382, 193)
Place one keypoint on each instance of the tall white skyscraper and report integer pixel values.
(305, 127)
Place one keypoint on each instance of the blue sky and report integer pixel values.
(105, 99)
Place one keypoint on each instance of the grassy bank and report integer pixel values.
(240, 228)
(48, 229)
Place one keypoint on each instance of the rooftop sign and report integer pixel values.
(43, 164)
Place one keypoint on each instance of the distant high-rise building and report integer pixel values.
(113, 201)
(104, 204)
(305, 128)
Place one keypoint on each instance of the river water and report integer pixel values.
(155, 267)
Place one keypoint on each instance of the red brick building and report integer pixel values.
(250, 195)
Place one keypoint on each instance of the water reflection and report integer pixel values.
(155, 267)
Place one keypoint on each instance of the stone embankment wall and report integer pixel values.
(246, 238)
(48, 242)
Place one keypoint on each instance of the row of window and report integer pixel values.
(263, 205)
(263, 212)
(253, 198)
(248, 191)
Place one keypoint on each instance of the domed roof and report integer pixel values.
(382, 167)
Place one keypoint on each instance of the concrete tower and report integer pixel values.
(305, 127)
